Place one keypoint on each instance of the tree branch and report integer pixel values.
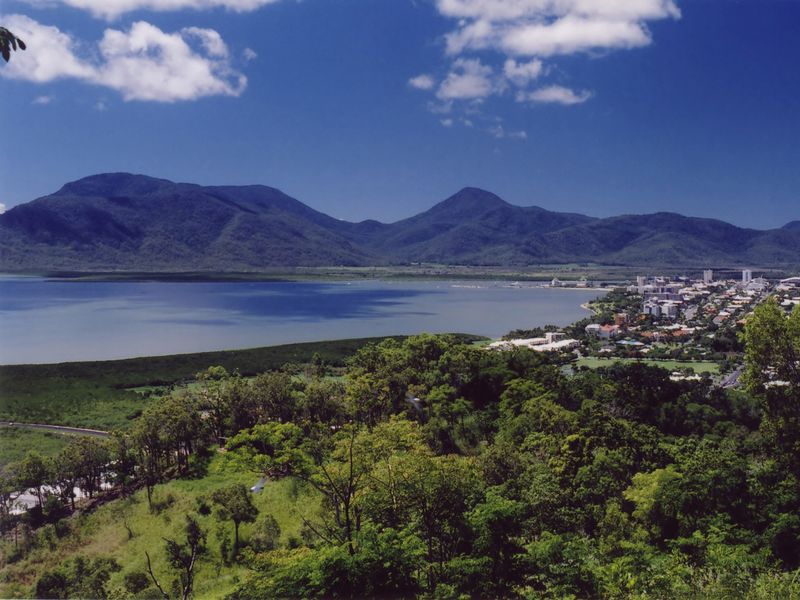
(153, 577)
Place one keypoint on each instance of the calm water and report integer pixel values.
(53, 321)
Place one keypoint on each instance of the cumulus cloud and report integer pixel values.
(555, 94)
(112, 9)
(249, 54)
(549, 27)
(43, 100)
(468, 80)
(422, 82)
(51, 53)
(529, 36)
(521, 74)
(142, 63)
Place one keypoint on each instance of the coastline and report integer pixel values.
(530, 275)
(587, 306)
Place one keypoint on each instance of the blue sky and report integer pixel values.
(380, 108)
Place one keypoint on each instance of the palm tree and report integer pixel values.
(9, 41)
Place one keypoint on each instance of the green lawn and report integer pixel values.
(103, 533)
(110, 394)
(670, 365)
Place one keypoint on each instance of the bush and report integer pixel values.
(161, 504)
(136, 581)
(266, 534)
(203, 507)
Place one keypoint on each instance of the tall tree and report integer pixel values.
(772, 374)
(34, 472)
(183, 558)
(237, 506)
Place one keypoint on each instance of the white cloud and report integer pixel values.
(51, 54)
(499, 132)
(2, 208)
(143, 63)
(555, 94)
(523, 32)
(43, 100)
(146, 63)
(521, 74)
(249, 54)
(422, 82)
(569, 35)
(210, 39)
(112, 9)
(550, 27)
(468, 80)
(446, 122)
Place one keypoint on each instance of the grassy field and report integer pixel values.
(670, 365)
(103, 533)
(15, 442)
(109, 394)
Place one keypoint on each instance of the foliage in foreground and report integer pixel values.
(447, 471)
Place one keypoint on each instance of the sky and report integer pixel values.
(381, 108)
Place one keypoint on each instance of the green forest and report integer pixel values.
(432, 468)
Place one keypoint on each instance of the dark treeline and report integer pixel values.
(448, 471)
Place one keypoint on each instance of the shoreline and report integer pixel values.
(228, 353)
(531, 275)
(587, 306)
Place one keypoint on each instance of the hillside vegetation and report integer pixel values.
(433, 469)
(109, 394)
(124, 529)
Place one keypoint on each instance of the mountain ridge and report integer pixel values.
(129, 221)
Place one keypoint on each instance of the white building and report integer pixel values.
(558, 346)
(538, 344)
(653, 309)
(708, 276)
(747, 276)
(670, 310)
(791, 282)
(593, 329)
(641, 281)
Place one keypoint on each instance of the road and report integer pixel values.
(56, 428)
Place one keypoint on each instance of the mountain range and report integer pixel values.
(120, 221)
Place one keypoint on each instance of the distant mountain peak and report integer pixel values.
(470, 200)
(792, 225)
(113, 184)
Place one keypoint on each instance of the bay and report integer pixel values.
(45, 321)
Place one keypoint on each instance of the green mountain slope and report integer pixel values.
(133, 222)
(128, 221)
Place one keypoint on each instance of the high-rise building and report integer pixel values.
(641, 281)
(747, 276)
(708, 276)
